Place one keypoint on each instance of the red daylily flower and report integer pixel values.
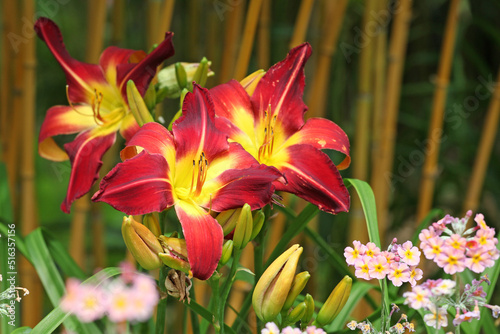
(269, 124)
(193, 169)
(98, 105)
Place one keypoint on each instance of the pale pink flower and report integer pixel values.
(390, 256)
(271, 328)
(416, 274)
(398, 328)
(456, 241)
(72, 297)
(451, 260)
(145, 286)
(477, 260)
(479, 219)
(120, 307)
(409, 254)
(352, 325)
(433, 247)
(378, 267)
(467, 316)
(291, 330)
(437, 318)
(418, 297)
(372, 250)
(352, 254)
(362, 268)
(91, 304)
(399, 273)
(494, 254)
(314, 330)
(425, 235)
(443, 287)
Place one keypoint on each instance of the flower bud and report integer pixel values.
(335, 302)
(228, 219)
(227, 251)
(180, 75)
(142, 243)
(174, 78)
(251, 81)
(152, 222)
(137, 105)
(244, 226)
(258, 221)
(201, 74)
(308, 314)
(274, 285)
(297, 313)
(174, 254)
(298, 284)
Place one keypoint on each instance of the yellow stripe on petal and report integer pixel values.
(48, 149)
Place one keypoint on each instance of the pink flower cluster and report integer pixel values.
(437, 295)
(398, 263)
(400, 327)
(272, 328)
(130, 297)
(453, 248)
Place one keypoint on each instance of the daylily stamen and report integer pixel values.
(71, 104)
(202, 174)
(96, 106)
(266, 149)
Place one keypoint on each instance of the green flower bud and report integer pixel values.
(308, 314)
(228, 219)
(142, 243)
(201, 74)
(244, 226)
(180, 75)
(297, 313)
(298, 284)
(227, 251)
(137, 105)
(251, 81)
(152, 222)
(174, 254)
(258, 221)
(274, 285)
(335, 302)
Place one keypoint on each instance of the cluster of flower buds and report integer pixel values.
(130, 297)
(398, 263)
(278, 288)
(454, 248)
(400, 327)
(436, 296)
(242, 224)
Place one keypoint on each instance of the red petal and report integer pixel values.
(137, 186)
(114, 57)
(240, 186)
(204, 239)
(195, 131)
(85, 153)
(312, 176)
(282, 87)
(154, 138)
(79, 75)
(145, 70)
(323, 134)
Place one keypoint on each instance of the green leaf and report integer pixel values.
(22, 330)
(52, 281)
(206, 314)
(367, 198)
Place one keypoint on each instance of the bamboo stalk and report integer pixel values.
(332, 23)
(300, 28)
(118, 22)
(488, 136)
(379, 77)
(193, 39)
(248, 37)
(364, 103)
(429, 171)
(95, 40)
(32, 311)
(166, 14)
(153, 20)
(214, 43)
(231, 38)
(397, 52)
(95, 33)
(264, 38)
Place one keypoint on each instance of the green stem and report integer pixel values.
(214, 283)
(226, 288)
(195, 324)
(384, 308)
(457, 297)
(162, 305)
